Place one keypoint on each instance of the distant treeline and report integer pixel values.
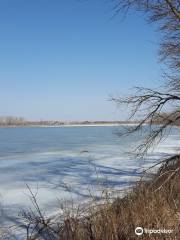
(9, 120)
(171, 118)
(20, 121)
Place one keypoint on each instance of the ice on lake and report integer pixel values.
(61, 164)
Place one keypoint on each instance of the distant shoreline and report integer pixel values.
(80, 124)
(13, 122)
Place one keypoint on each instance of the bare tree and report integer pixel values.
(151, 104)
(167, 14)
(10, 120)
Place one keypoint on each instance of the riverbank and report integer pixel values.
(153, 206)
(66, 124)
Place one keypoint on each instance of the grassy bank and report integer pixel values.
(152, 204)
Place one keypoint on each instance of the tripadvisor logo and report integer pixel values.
(139, 231)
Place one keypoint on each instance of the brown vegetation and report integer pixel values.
(152, 204)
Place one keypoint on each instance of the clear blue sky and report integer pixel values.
(61, 59)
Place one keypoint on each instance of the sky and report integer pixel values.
(63, 59)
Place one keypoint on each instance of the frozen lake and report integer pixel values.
(65, 163)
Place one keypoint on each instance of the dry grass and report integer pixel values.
(4, 234)
(153, 204)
